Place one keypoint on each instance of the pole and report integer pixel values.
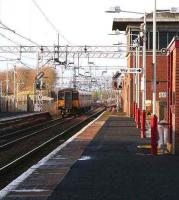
(136, 64)
(15, 92)
(138, 86)
(154, 59)
(143, 116)
(57, 97)
(154, 117)
(74, 77)
(7, 90)
(7, 81)
(1, 96)
(134, 95)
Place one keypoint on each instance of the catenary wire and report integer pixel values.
(13, 31)
(48, 20)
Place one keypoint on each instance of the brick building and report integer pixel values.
(167, 28)
(173, 92)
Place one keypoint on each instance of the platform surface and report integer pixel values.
(103, 162)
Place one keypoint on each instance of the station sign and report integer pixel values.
(162, 94)
(131, 70)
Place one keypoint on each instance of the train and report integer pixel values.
(73, 101)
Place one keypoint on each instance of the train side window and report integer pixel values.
(61, 95)
(75, 96)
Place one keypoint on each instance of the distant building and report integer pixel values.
(167, 28)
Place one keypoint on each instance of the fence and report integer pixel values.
(24, 103)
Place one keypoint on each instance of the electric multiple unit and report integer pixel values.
(73, 101)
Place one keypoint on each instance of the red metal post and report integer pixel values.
(136, 113)
(154, 135)
(134, 109)
(138, 118)
(169, 102)
(143, 119)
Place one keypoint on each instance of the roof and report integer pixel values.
(68, 89)
(162, 18)
(173, 44)
(74, 90)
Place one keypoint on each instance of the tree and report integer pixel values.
(25, 78)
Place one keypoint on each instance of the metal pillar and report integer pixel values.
(143, 113)
(138, 87)
(154, 117)
(15, 90)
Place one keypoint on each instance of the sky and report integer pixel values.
(81, 22)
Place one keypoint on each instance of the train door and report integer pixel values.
(75, 99)
(68, 100)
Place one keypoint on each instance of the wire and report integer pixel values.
(13, 31)
(48, 20)
(26, 65)
(50, 59)
(8, 60)
(9, 39)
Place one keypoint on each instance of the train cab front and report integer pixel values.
(61, 102)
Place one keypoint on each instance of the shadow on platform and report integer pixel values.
(113, 168)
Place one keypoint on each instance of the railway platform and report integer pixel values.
(104, 161)
(9, 116)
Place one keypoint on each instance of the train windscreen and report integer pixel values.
(68, 100)
(61, 95)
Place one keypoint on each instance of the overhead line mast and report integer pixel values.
(66, 52)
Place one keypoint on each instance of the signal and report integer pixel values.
(38, 84)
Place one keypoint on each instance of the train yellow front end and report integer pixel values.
(72, 101)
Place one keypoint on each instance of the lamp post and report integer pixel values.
(136, 102)
(138, 85)
(154, 117)
(143, 114)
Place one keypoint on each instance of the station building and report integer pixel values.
(173, 92)
(167, 28)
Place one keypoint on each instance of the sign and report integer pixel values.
(148, 102)
(40, 75)
(162, 94)
(131, 70)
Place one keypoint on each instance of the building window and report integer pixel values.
(171, 35)
(151, 40)
(162, 40)
(147, 41)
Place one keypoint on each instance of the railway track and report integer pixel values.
(36, 143)
(8, 139)
(19, 122)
